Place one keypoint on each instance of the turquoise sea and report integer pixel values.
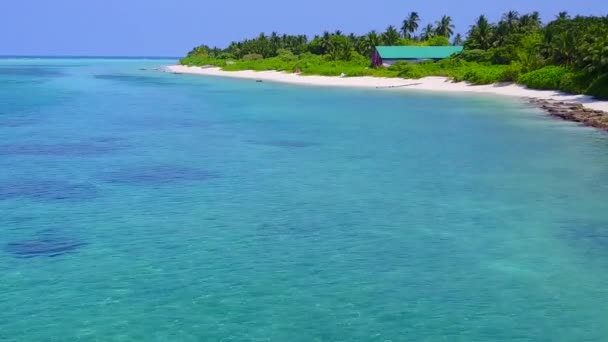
(138, 205)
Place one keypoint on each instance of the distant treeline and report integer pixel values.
(569, 54)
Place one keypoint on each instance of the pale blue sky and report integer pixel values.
(172, 27)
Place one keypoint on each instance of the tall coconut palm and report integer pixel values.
(480, 34)
(363, 47)
(410, 25)
(535, 19)
(275, 42)
(299, 44)
(261, 45)
(325, 42)
(562, 16)
(458, 40)
(372, 39)
(390, 36)
(530, 22)
(445, 27)
(346, 49)
(428, 32)
(565, 48)
(597, 56)
(352, 38)
(511, 21)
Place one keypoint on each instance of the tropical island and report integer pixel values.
(567, 54)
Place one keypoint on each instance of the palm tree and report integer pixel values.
(352, 38)
(275, 42)
(535, 19)
(262, 45)
(458, 40)
(346, 50)
(511, 21)
(428, 32)
(325, 42)
(372, 39)
(410, 25)
(216, 51)
(563, 48)
(597, 58)
(562, 16)
(445, 27)
(334, 49)
(362, 46)
(298, 44)
(391, 36)
(535, 22)
(235, 49)
(480, 34)
(530, 22)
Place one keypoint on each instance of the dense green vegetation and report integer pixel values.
(569, 54)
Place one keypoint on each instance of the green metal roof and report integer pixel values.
(417, 52)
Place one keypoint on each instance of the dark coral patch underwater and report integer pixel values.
(45, 246)
(136, 79)
(592, 237)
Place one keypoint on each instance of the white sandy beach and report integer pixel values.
(427, 83)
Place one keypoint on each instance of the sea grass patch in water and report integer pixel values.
(591, 236)
(46, 190)
(158, 175)
(43, 246)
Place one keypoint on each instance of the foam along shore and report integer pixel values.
(427, 83)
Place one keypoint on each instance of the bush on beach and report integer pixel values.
(549, 77)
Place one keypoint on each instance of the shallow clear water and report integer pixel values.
(143, 206)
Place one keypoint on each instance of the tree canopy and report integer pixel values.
(572, 51)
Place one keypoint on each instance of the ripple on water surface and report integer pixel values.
(46, 190)
(158, 175)
(19, 121)
(30, 71)
(67, 149)
(285, 143)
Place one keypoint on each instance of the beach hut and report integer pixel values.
(387, 55)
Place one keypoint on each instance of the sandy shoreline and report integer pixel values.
(427, 83)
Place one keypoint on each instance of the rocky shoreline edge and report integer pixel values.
(572, 111)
